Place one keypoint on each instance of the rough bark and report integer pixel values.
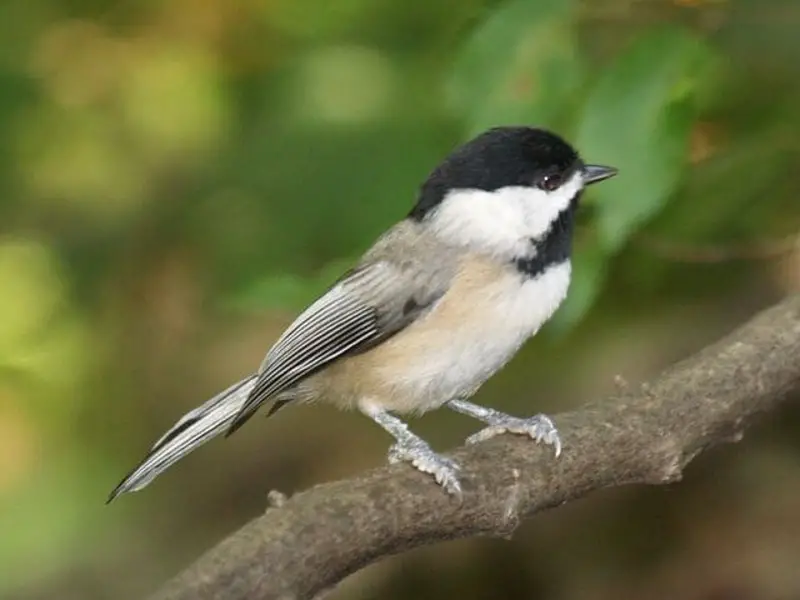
(301, 547)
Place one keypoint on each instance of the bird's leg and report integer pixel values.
(413, 449)
(540, 427)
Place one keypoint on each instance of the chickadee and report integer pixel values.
(439, 304)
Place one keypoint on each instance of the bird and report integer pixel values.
(439, 303)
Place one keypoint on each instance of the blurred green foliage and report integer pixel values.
(520, 65)
(179, 177)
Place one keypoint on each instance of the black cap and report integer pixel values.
(500, 157)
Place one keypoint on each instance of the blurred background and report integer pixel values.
(179, 177)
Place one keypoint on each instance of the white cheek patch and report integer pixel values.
(502, 221)
(543, 212)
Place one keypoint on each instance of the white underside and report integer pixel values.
(513, 311)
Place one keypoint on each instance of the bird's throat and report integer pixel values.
(553, 247)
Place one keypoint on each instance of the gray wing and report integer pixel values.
(366, 306)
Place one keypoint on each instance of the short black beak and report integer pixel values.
(595, 173)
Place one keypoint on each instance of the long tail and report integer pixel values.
(193, 430)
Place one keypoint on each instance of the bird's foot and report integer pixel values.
(539, 428)
(423, 458)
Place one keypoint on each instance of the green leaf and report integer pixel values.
(638, 118)
(520, 66)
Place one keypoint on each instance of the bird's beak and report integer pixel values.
(595, 173)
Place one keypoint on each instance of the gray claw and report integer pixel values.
(421, 457)
(539, 428)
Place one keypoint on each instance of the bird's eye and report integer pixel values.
(550, 182)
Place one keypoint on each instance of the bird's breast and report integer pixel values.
(484, 318)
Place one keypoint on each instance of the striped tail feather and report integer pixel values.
(191, 431)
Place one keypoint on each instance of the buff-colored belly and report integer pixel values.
(468, 336)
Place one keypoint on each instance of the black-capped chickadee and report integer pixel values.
(439, 304)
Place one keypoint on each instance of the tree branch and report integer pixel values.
(313, 540)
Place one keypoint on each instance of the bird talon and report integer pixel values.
(540, 428)
(424, 459)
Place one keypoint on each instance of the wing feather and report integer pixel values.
(364, 307)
